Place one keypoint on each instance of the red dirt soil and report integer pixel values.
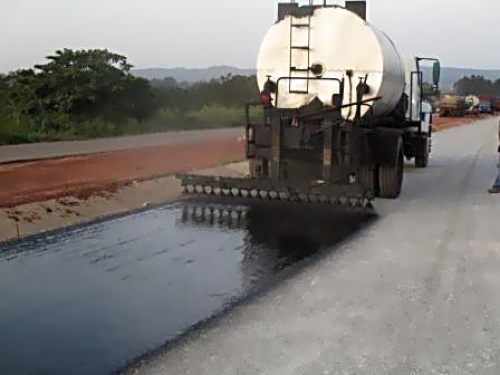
(86, 175)
(443, 123)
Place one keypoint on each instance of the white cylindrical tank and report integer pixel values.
(472, 101)
(339, 41)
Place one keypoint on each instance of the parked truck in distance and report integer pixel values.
(485, 107)
(452, 106)
(486, 102)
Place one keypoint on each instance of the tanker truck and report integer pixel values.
(472, 101)
(452, 106)
(342, 109)
(472, 104)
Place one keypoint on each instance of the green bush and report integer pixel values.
(12, 132)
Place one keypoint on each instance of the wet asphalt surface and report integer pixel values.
(91, 299)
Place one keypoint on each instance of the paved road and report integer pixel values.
(417, 292)
(58, 149)
(90, 299)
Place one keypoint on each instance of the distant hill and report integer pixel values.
(448, 77)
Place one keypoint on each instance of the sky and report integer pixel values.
(202, 33)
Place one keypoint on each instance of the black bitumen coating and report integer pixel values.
(91, 299)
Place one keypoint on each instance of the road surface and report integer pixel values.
(90, 299)
(59, 149)
(417, 292)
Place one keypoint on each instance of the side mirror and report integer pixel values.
(436, 74)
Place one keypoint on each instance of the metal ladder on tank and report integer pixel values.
(300, 73)
(305, 71)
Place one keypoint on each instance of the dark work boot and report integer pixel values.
(494, 190)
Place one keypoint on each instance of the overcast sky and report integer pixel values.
(201, 33)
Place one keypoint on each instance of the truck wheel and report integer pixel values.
(390, 177)
(422, 156)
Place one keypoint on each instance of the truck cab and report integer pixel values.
(417, 137)
(485, 107)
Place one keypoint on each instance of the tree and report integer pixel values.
(137, 99)
(474, 85)
(20, 94)
(82, 83)
(77, 87)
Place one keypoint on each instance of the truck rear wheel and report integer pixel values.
(390, 177)
(422, 155)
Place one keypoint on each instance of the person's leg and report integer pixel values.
(497, 180)
(495, 189)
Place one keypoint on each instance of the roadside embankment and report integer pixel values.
(38, 217)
